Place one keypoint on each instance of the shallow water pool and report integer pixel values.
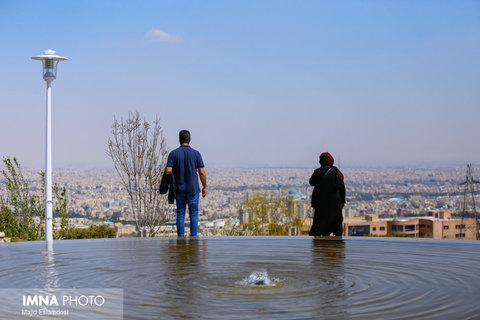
(204, 278)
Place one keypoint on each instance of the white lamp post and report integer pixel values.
(49, 62)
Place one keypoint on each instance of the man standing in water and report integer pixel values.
(183, 163)
(328, 198)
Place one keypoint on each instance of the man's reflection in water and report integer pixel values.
(186, 263)
(328, 258)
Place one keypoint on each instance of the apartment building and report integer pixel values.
(437, 225)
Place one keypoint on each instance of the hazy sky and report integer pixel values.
(269, 83)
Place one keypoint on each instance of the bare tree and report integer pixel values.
(139, 154)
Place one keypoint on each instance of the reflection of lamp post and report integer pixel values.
(49, 62)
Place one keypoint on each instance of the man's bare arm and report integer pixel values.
(168, 170)
(203, 179)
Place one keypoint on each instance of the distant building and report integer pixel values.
(243, 216)
(219, 223)
(439, 214)
(304, 209)
(306, 226)
(454, 229)
(435, 225)
(418, 228)
(124, 230)
(294, 194)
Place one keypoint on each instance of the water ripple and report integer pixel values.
(206, 278)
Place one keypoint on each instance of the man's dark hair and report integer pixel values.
(184, 136)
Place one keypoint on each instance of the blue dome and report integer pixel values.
(293, 191)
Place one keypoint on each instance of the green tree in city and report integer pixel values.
(267, 215)
(61, 206)
(20, 207)
(22, 212)
(61, 203)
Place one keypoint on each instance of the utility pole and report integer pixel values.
(469, 184)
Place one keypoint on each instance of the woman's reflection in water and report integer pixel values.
(328, 258)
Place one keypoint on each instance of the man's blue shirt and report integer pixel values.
(185, 162)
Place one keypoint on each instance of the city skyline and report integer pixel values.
(268, 83)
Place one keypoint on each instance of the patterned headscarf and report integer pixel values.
(326, 159)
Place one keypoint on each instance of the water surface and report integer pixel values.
(204, 278)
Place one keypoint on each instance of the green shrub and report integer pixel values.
(91, 232)
(20, 206)
(392, 235)
(400, 235)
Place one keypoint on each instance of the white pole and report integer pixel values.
(48, 171)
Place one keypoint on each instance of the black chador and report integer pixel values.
(328, 198)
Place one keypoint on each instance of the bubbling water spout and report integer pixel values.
(259, 278)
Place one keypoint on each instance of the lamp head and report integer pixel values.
(49, 63)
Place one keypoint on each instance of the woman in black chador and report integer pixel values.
(328, 198)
